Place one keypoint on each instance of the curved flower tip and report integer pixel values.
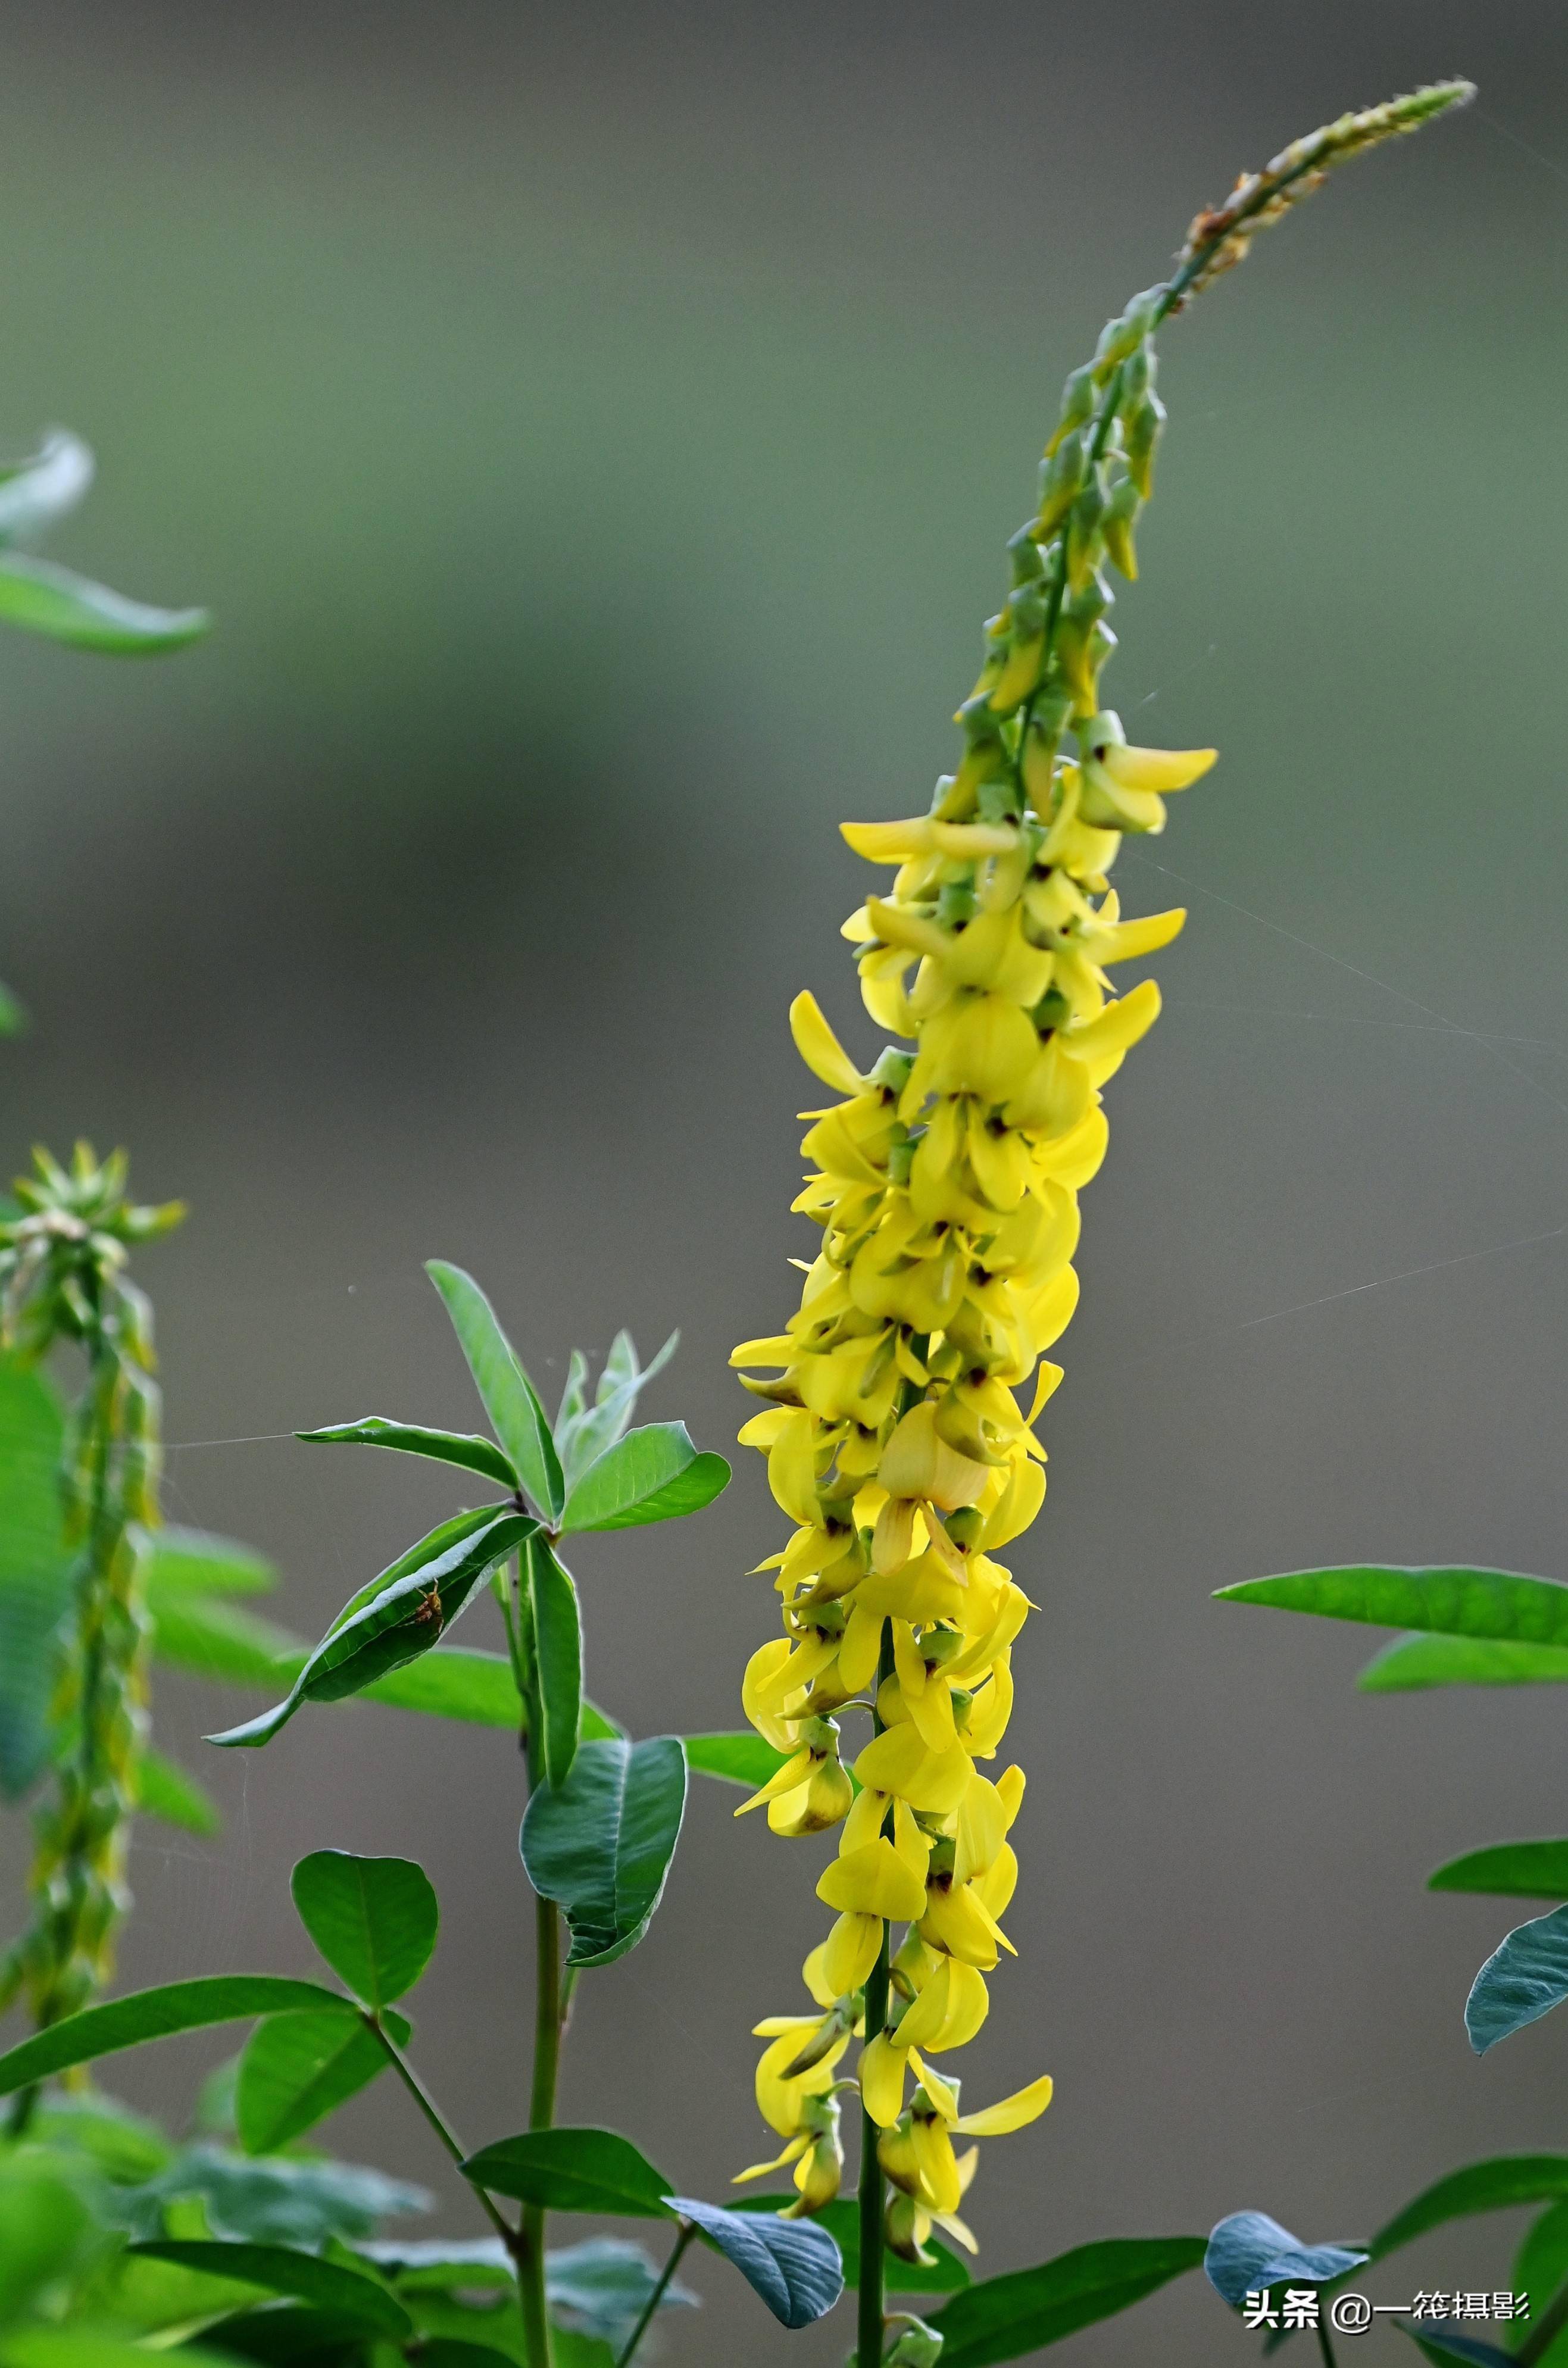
(820, 1048)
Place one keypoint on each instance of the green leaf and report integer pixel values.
(1491, 2186)
(398, 1617)
(279, 2200)
(511, 1399)
(620, 1385)
(1440, 2341)
(558, 1656)
(13, 1018)
(34, 493)
(374, 1920)
(78, 2346)
(945, 2274)
(1541, 2263)
(1523, 1978)
(298, 2068)
(596, 1726)
(574, 1401)
(573, 2171)
(653, 1475)
(465, 1448)
(1519, 1870)
(1006, 2317)
(1412, 1663)
(165, 1791)
(43, 599)
(601, 1844)
(157, 2014)
(282, 2270)
(1247, 2252)
(1454, 1602)
(601, 2286)
(454, 2351)
(213, 1639)
(792, 2264)
(35, 1571)
(452, 1682)
(290, 2335)
(42, 2224)
(743, 1759)
(193, 1562)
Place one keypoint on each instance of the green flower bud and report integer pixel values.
(1121, 513)
(1059, 479)
(1143, 435)
(1077, 404)
(1084, 541)
(1027, 558)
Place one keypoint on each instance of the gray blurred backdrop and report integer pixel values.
(596, 430)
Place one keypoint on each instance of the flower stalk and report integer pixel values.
(944, 1185)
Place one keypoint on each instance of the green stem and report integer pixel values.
(426, 2104)
(873, 2187)
(688, 2231)
(548, 2013)
(1324, 2346)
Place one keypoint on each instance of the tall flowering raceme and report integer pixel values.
(945, 1183)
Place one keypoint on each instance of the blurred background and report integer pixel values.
(597, 431)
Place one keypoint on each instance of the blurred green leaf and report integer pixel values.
(601, 2287)
(1519, 1870)
(34, 493)
(573, 2171)
(743, 1759)
(453, 1683)
(35, 1570)
(43, 599)
(591, 1430)
(13, 1018)
(42, 2224)
(297, 2068)
(399, 1615)
(1525, 1978)
(947, 2274)
(126, 2146)
(511, 1399)
(601, 1844)
(156, 2014)
(653, 1475)
(165, 1791)
(1439, 2342)
(464, 1448)
(374, 1920)
(1490, 2186)
(279, 2199)
(193, 1562)
(1454, 1601)
(79, 2347)
(438, 2264)
(280, 2270)
(290, 2335)
(456, 2351)
(558, 1656)
(1006, 2317)
(1414, 1662)
(1541, 2263)
(792, 2264)
(213, 1639)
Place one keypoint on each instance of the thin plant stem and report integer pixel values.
(427, 2106)
(1324, 2346)
(873, 2187)
(688, 2231)
(548, 2013)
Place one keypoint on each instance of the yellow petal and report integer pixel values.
(820, 1048)
(889, 842)
(969, 2003)
(939, 2167)
(931, 1712)
(793, 1773)
(982, 1828)
(849, 1952)
(860, 1649)
(901, 1761)
(995, 2121)
(908, 1660)
(1162, 769)
(923, 2021)
(873, 1881)
(881, 2080)
(796, 2147)
(944, 2098)
(816, 1978)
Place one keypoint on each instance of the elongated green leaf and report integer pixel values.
(1541, 2263)
(64, 607)
(601, 1844)
(452, 1682)
(743, 1759)
(652, 1474)
(573, 2171)
(511, 1399)
(1523, 1978)
(374, 1920)
(157, 2014)
(214, 1639)
(1445, 2340)
(1413, 1663)
(945, 2274)
(1007, 2318)
(36, 491)
(166, 1791)
(35, 1570)
(79, 2347)
(464, 1448)
(1491, 2186)
(278, 2334)
(558, 1657)
(282, 2270)
(792, 2264)
(396, 1617)
(297, 2068)
(42, 2224)
(1517, 1870)
(589, 1432)
(193, 1562)
(1453, 1602)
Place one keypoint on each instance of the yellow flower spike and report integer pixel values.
(873, 1881)
(849, 1952)
(1013, 2113)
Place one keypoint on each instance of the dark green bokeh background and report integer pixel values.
(597, 431)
